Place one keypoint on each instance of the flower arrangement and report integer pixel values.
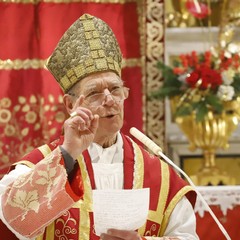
(201, 82)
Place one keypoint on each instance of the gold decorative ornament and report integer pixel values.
(17, 64)
(153, 113)
(209, 135)
(179, 16)
(203, 89)
(30, 112)
(68, 1)
(230, 22)
(87, 47)
(215, 128)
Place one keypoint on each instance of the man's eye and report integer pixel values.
(92, 93)
(115, 87)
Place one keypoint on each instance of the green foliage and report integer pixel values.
(197, 81)
(171, 86)
(236, 83)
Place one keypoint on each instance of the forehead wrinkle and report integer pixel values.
(103, 82)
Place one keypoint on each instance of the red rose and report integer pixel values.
(210, 78)
(192, 78)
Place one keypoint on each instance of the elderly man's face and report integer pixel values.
(97, 88)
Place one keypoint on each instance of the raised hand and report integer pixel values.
(79, 129)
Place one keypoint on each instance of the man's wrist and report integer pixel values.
(69, 162)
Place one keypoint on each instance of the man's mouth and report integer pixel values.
(109, 116)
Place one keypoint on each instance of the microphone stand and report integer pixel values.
(158, 151)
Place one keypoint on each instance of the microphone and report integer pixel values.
(158, 151)
(145, 140)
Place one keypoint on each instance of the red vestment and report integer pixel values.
(141, 170)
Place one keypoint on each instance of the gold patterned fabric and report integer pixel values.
(87, 47)
(36, 194)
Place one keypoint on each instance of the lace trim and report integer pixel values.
(226, 197)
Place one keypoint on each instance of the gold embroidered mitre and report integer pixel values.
(87, 47)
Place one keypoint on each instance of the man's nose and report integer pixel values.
(109, 100)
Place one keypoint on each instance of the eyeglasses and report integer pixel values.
(94, 100)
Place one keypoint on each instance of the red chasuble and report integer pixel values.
(71, 217)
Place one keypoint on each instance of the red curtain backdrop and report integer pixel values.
(31, 111)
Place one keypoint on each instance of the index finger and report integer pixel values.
(78, 102)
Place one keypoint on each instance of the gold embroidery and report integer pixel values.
(84, 232)
(39, 237)
(66, 229)
(46, 176)
(132, 62)
(9, 130)
(86, 204)
(157, 216)
(45, 150)
(95, 49)
(25, 162)
(5, 103)
(40, 63)
(30, 117)
(18, 64)
(50, 231)
(152, 229)
(26, 118)
(138, 166)
(172, 204)
(87, 185)
(68, 1)
(138, 174)
(5, 116)
(26, 201)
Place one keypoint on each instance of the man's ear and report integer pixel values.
(68, 102)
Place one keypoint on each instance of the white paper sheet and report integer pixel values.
(120, 209)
